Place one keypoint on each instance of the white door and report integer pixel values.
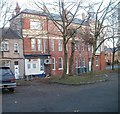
(16, 70)
(89, 65)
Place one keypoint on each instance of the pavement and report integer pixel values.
(41, 97)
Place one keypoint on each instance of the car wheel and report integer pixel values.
(11, 89)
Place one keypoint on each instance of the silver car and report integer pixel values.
(7, 79)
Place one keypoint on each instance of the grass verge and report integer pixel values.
(84, 78)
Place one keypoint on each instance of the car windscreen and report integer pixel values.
(5, 72)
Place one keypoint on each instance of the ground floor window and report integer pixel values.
(53, 63)
(60, 63)
(34, 65)
(16, 63)
(6, 63)
(28, 65)
(96, 60)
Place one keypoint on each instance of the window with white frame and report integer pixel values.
(33, 44)
(96, 60)
(89, 47)
(60, 45)
(16, 48)
(83, 62)
(53, 63)
(35, 24)
(52, 44)
(60, 63)
(45, 45)
(39, 44)
(28, 66)
(5, 46)
(34, 65)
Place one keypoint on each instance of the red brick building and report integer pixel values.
(43, 46)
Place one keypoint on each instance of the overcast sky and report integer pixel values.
(26, 3)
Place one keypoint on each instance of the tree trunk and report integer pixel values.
(93, 57)
(71, 68)
(65, 61)
(113, 56)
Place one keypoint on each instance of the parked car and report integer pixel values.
(7, 79)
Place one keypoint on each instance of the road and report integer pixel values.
(41, 97)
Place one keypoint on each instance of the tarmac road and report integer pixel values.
(40, 97)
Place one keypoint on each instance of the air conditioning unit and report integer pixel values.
(48, 61)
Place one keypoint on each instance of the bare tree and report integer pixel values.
(5, 14)
(97, 25)
(113, 31)
(67, 13)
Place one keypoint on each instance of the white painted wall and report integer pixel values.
(31, 70)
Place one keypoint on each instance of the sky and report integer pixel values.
(27, 3)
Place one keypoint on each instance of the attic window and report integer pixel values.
(36, 24)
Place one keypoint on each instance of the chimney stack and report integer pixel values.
(17, 9)
(83, 16)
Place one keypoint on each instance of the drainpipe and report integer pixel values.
(23, 44)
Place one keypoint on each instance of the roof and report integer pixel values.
(35, 55)
(10, 34)
(55, 16)
(33, 12)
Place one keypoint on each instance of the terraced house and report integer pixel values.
(43, 45)
(11, 51)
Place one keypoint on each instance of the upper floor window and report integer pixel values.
(35, 24)
(60, 63)
(60, 45)
(33, 44)
(39, 44)
(45, 46)
(5, 46)
(16, 48)
(52, 44)
(89, 47)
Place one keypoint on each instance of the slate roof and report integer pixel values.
(10, 34)
(55, 16)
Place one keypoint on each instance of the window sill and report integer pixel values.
(16, 53)
(5, 51)
(53, 69)
(60, 68)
